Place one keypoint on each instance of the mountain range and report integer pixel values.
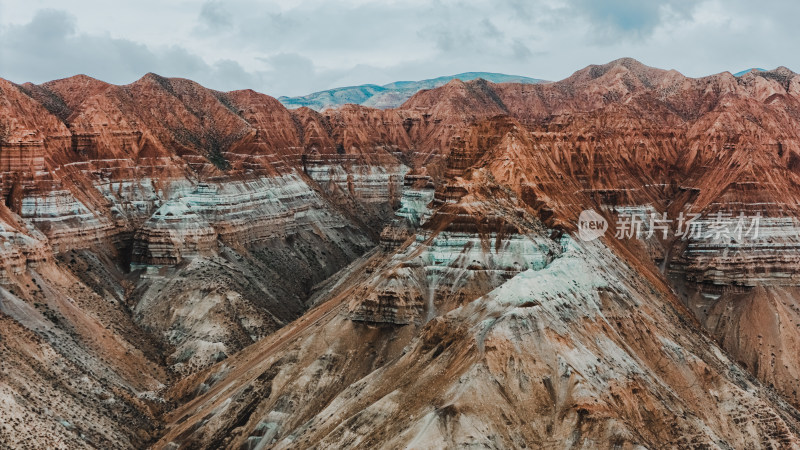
(390, 95)
(187, 268)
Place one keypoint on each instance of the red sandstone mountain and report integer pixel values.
(187, 267)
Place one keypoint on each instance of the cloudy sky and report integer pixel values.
(297, 47)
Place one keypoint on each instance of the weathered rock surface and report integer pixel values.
(583, 348)
(160, 243)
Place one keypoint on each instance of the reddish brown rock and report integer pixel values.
(480, 320)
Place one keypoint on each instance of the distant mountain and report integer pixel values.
(757, 69)
(391, 95)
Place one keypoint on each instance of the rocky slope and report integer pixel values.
(162, 242)
(488, 328)
(168, 221)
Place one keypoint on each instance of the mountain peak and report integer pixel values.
(79, 78)
(632, 74)
(152, 77)
(746, 71)
(79, 82)
(455, 83)
(627, 62)
(783, 70)
(632, 65)
(457, 97)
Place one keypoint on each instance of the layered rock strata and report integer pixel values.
(427, 339)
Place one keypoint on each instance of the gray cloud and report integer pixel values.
(309, 45)
(214, 17)
(634, 18)
(50, 47)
